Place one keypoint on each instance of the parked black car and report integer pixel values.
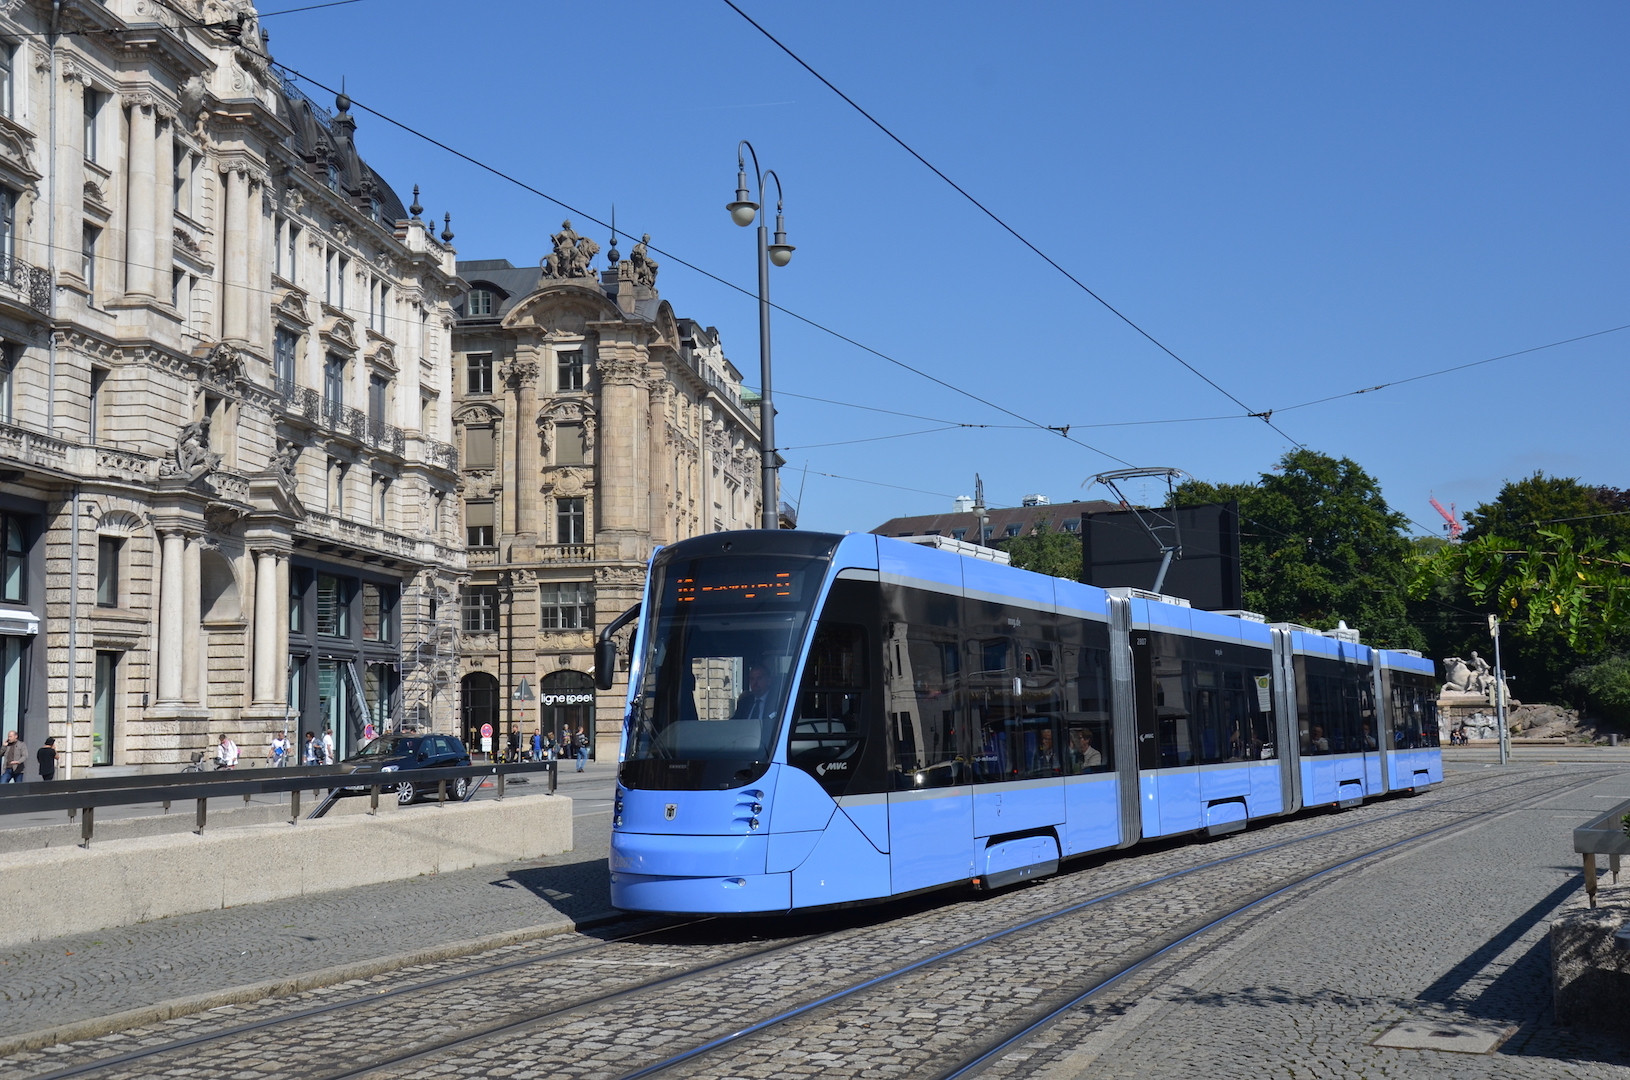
(404, 754)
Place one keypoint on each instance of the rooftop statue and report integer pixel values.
(572, 254)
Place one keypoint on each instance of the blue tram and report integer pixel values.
(816, 720)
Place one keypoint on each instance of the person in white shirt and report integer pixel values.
(279, 753)
(328, 746)
(226, 754)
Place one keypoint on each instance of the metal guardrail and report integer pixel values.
(83, 797)
(1602, 835)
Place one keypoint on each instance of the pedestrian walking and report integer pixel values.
(537, 746)
(14, 760)
(582, 748)
(46, 755)
(278, 755)
(312, 752)
(328, 745)
(226, 753)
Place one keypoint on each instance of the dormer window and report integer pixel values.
(480, 302)
(333, 177)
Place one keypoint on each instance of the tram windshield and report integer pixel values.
(716, 667)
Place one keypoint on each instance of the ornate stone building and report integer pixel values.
(225, 418)
(595, 424)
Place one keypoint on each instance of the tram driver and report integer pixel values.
(756, 701)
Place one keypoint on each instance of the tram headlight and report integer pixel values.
(757, 808)
(752, 823)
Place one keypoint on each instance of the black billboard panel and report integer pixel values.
(1117, 551)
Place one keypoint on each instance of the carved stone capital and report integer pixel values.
(519, 372)
(622, 371)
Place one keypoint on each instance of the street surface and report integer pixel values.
(1445, 933)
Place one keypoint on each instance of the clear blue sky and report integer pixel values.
(1300, 200)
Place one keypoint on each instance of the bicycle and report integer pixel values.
(197, 763)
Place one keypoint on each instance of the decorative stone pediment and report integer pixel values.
(477, 413)
(340, 333)
(292, 306)
(17, 149)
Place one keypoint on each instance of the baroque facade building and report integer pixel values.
(595, 425)
(225, 418)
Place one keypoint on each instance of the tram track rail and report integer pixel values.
(525, 1023)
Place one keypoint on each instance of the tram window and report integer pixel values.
(828, 729)
(1175, 736)
(1087, 729)
(923, 687)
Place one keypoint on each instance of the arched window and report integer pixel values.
(478, 705)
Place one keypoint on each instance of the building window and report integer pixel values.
(13, 560)
(570, 368)
(8, 92)
(569, 521)
(1072, 525)
(108, 549)
(13, 680)
(378, 396)
(478, 448)
(334, 280)
(297, 688)
(958, 534)
(8, 374)
(479, 523)
(378, 604)
(566, 605)
(87, 264)
(8, 223)
(1011, 530)
(480, 302)
(298, 581)
(478, 373)
(286, 240)
(285, 346)
(93, 111)
(93, 421)
(480, 609)
(568, 444)
(104, 716)
(334, 605)
(333, 386)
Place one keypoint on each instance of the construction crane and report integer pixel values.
(1453, 527)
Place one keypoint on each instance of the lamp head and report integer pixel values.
(780, 251)
(743, 210)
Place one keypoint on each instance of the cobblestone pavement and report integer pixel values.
(906, 1027)
(86, 976)
(1450, 936)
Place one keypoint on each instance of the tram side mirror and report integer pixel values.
(605, 663)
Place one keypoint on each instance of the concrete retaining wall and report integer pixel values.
(1590, 967)
(64, 890)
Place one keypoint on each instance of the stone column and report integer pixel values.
(267, 667)
(192, 623)
(141, 209)
(523, 375)
(282, 694)
(258, 268)
(164, 193)
(623, 491)
(665, 464)
(235, 260)
(170, 617)
(67, 229)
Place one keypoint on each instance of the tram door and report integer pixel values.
(1168, 776)
(931, 806)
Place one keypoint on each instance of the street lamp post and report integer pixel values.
(742, 212)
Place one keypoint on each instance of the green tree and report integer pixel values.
(1319, 545)
(1057, 554)
(1548, 556)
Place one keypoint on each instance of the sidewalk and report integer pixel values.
(99, 981)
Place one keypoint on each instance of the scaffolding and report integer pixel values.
(430, 646)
